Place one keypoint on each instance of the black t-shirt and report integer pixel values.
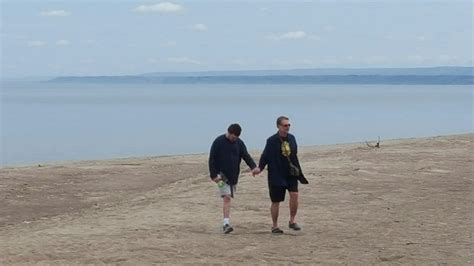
(278, 166)
(225, 157)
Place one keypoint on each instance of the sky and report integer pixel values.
(62, 38)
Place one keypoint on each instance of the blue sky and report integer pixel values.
(41, 38)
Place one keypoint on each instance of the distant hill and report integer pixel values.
(422, 71)
(435, 75)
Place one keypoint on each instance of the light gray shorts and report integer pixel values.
(227, 190)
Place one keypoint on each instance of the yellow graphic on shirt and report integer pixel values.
(285, 148)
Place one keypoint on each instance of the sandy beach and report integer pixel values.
(409, 201)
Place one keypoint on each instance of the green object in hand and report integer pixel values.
(220, 183)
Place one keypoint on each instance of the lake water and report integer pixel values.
(44, 122)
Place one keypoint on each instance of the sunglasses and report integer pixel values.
(287, 125)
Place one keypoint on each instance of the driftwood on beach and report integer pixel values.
(376, 145)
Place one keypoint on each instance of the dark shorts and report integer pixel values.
(277, 194)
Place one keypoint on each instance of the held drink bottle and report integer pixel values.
(222, 181)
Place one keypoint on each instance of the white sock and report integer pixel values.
(226, 221)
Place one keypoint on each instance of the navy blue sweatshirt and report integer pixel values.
(278, 166)
(226, 156)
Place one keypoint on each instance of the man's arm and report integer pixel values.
(264, 157)
(295, 153)
(246, 156)
(301, 178)
(212, 160)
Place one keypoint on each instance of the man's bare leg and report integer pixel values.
(226, 208)
(275, 208)
(293, 206)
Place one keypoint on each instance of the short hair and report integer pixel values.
(234, 129)
(281, 118)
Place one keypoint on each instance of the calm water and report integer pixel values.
(44, 122)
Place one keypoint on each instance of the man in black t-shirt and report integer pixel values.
(284, 172)
(227, 152)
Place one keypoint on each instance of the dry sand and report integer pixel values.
(410, 201)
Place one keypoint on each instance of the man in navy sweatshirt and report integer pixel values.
(227, 151)
(280, 154)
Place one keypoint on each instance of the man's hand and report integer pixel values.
(256, 171)
(217, 178)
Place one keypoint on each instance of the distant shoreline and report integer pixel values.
(327, 79)
(401, 76)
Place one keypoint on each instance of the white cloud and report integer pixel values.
(36, 43)
(62, 43)
(293, 35)
(55, 13)
(199, 27)
(184, 60)
(168, 44)
(165, 7)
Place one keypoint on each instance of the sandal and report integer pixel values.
(277, 231)
(294, 226)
